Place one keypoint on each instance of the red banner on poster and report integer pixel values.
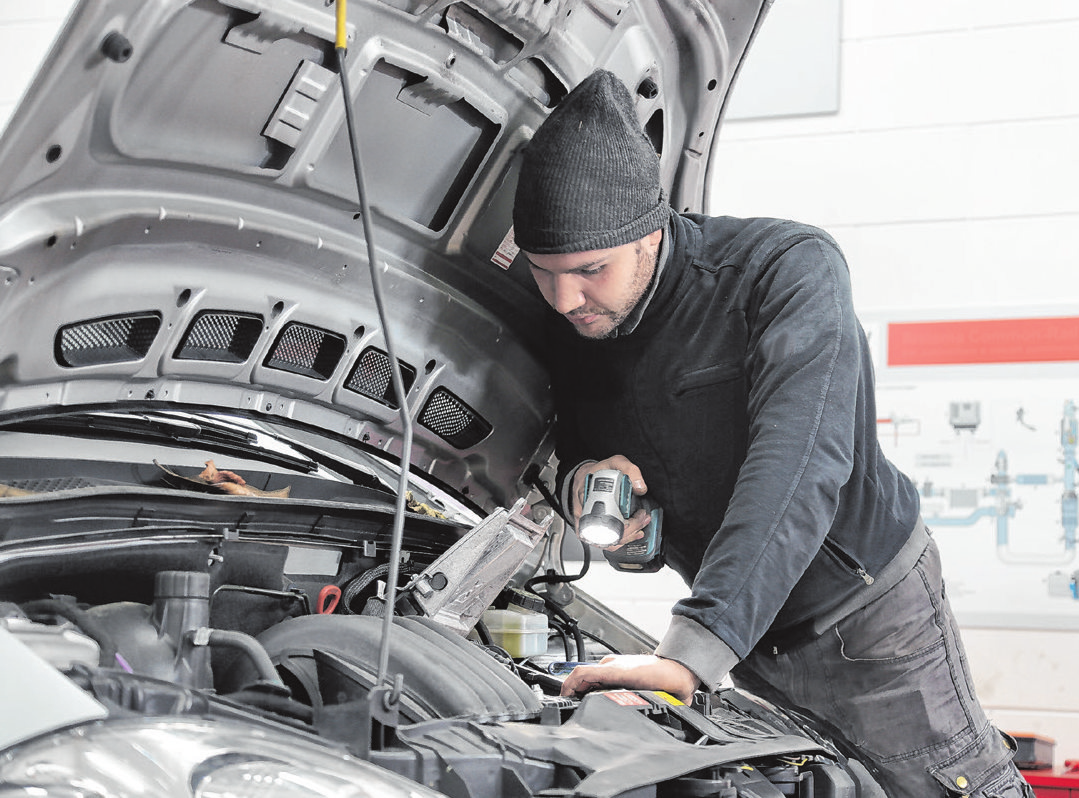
(938, 343)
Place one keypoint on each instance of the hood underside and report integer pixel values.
(179, 218)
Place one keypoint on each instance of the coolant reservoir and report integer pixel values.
(522, 632)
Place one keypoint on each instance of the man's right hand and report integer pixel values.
(634, 526)
(634, 672)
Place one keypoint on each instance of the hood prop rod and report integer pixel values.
(389, 697)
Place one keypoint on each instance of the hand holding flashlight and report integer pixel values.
(616, 463)
(616, 516)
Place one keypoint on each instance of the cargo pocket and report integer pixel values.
(903, 690)
(982, 770)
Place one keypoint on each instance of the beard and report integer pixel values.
(608, 320)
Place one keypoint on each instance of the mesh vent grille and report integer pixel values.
(50, 484)
(220, 336)
(309, 351)
(116, 339)
(453, 420)
(372, 377)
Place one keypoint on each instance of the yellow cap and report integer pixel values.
(341, 30)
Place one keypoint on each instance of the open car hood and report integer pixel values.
(179, 215)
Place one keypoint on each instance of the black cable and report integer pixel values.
(560, 629)
(532, 477)
(395, 367)
(578, 638)
(484, 633)
(594, 637)
(550, 577)
(566, 618)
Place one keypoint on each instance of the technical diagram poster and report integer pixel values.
(992, 449)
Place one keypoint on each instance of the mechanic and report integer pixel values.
(718, 362)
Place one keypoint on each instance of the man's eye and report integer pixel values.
(591, 272)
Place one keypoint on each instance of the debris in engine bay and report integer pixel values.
(8, 490)
(423, 509)
(226, 481)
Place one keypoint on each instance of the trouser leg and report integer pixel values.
(892, 679)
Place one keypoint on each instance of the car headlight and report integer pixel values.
(193, 758)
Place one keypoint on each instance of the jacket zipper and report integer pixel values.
(848, 561)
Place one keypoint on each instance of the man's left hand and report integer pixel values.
(635, 672)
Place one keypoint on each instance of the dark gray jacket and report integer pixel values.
(745, 396)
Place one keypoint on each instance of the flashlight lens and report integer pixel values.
(600, 529)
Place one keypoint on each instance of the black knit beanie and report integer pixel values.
(590, 176)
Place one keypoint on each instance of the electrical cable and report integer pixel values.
(341, 48)
(601, 641)
(398, 387)
(568, 620)
(532, 477)
(560, 629)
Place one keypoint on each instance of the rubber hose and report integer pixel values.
(441, 658)
(255, 652)
(514, 694)
(278, 704)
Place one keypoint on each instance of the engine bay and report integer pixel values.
(225, 608)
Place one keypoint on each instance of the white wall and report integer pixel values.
(949, 174)
(950, 179)
(27, 28)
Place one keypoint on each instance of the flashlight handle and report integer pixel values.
(608, 485)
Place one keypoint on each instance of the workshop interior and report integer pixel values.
(276, 450)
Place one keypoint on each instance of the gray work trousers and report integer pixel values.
(892, 681)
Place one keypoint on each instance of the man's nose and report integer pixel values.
(567, 293)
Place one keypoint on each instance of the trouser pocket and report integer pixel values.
(901, 681)
(983, 770)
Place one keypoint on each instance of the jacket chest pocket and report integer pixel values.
(707, 377)
(701, 431)
(706, 408)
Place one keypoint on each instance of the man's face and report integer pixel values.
(598, 289)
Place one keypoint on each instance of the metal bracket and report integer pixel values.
(457, 587)
(297, 106)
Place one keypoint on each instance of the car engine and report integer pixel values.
(173, 622)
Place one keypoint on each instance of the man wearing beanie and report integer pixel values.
(719, 364)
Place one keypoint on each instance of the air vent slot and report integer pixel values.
(112, 339)
(220, 336)
(309, 351)
(453, 420)
(371, 377)
(53, 484)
